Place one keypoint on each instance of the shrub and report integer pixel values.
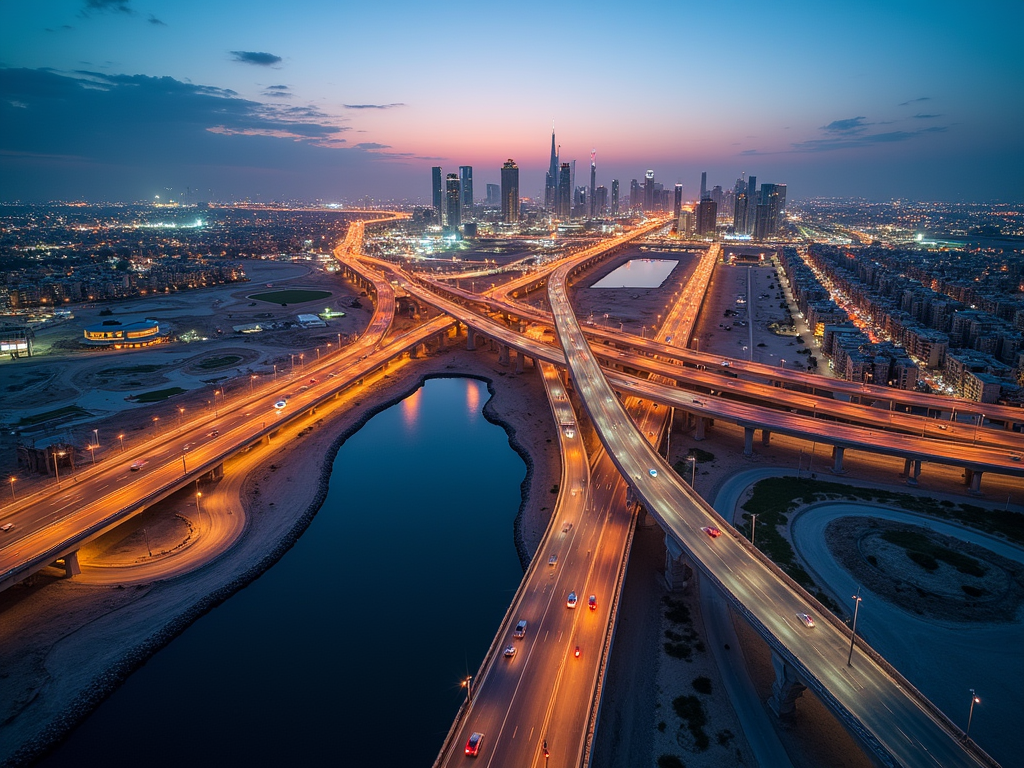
(702, 685)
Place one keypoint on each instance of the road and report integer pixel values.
(867, 697)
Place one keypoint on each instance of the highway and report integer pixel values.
(901, 727)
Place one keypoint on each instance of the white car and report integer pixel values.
(653, 472)
(806, 619)
(510, 651)
(6, 527)
(571, 602)
(280, 404)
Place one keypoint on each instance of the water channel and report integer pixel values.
(350, 650)
(638, 273)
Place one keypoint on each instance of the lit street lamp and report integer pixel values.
(181, 412)
(13, 496)
(693, 475)
(121, 438)
(753, 524)
(853, 636)
(970, 715)
(251, 380)
(96, 435)
(468, 685)
(56, 469)
(92, 450)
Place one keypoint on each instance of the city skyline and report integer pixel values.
(126, 100)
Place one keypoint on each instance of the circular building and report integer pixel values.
(114, 333)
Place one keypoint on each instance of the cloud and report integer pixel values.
(374, 106)
(258, 58)
(277, 87)
(371, 145)
(861, 140)
(849, 125)
(926, 117)
(155, 21)
(107, 6)
(913, 101)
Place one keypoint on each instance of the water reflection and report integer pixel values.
(638, 273)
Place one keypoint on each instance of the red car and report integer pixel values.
(592, 601)
(711, 531)
(473, 745)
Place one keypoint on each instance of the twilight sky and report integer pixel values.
(127, 99)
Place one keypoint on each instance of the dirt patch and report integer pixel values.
(927, 573)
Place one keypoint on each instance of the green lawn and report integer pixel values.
(68, 411)
(218, 362)
(290, 296)
(158, 394)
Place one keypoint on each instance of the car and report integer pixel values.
(473, 745)
(280, 404)
(214, 433)
(566, 526)
(187, 447)
(711, 531)
(726, 364)
(806, 619)
(6, 527)
(303, 388)
(552, 560)
(571, 602)
(1014, 457)
(652, 472)
(137, 465)
(312, 381)
(510, 651)
(592, 602)
(520, 629)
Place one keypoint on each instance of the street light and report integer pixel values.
(56, 469)
(693, 475)
(96, 434)
(468, 685)
(121, 438)
(753, 524)
(853, 636)
(251, 379)
(92, 450)
(970, 716)
(216, 411)
(13, 496)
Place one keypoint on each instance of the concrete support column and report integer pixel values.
(503, 354)
(766, 437)
(698, 429)
(71, 566)
(976, 482)
(912, 469)
(470, 339)
(748, 441)
(678, 573)
(519, 361)
(493, 345)
(785, 690)
(837, 466)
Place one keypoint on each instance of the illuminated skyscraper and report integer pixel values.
(466, 179)
(707, 217)
(438, 189)
(601, 201)
(454, 199)
(564, 202)
(551, 178)
(703, 184)
(615, 197)
(636, 197)
(649, 191)
(593, 181)
(768, 219)
(739, 212)
(510, 192)
(678, 206)
(748, 225)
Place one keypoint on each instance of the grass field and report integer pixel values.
(69, 411)
(158, 394)
(290, 296)
(218, 362)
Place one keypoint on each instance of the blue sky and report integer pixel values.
(120, 99)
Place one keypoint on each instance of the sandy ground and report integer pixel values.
(54, 673)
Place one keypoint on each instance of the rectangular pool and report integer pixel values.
(638, 273)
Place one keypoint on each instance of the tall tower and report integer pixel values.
(593, 181)
(436, 188)
(466, 179)
(703, 184)
(748, 225)
(454, 199)
(510, 192)
(649, 191)
(615, 197)
(551, 177)
(564, 206)
(707, 216)
(678, 201)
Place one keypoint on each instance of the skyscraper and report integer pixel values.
(564, 201)
(703, 184)
(593, 181)
(649, 191)
(493, 194)
(454, 199)
(739, 212)
(437, 189)
(678, 201)
(510, 192)
(636, 198)
(769, 211)
(707, 217)
(748, 225)
(466, 179)
(615, 197)
(551, 178)
(601, 201)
